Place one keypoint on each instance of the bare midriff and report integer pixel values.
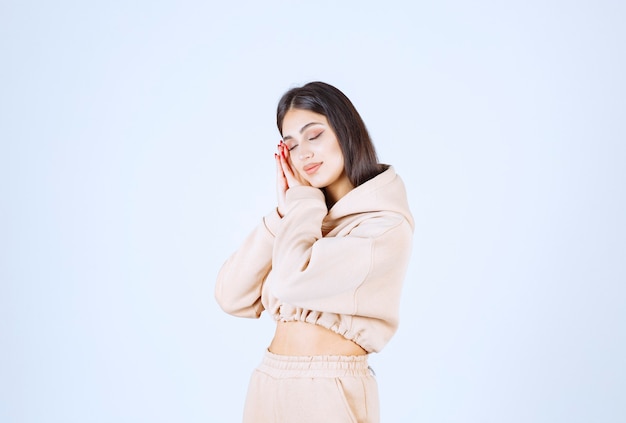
(300, 338)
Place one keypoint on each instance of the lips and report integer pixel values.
(311, 168)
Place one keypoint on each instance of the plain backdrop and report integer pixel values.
(136, 153)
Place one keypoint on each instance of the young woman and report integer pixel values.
(327, 264)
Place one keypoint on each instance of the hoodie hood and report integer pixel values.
(383, 193)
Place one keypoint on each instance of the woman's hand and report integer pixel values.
(286, 176)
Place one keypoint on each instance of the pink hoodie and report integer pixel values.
(342, 269)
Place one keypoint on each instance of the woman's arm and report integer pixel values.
(359, 273)
(241, 278)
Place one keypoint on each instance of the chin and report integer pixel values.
(318, 184)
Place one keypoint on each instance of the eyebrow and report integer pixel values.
(303, 129)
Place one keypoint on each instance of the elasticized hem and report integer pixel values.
(330, 321)
(286, 366)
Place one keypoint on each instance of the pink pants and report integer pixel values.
(316, 389)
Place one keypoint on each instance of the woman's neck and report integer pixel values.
(337, 190)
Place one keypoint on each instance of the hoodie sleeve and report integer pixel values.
(240, 279)
(358, 273)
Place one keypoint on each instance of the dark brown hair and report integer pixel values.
(361, 161)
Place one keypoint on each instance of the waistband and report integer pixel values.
(284, 366)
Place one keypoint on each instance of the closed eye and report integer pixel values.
(316, 136)
(292, 147)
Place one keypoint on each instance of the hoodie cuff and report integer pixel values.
(303, 192)
(272, 222)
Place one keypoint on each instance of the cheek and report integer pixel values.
(296, 167)
(293, 161)
(339, 159)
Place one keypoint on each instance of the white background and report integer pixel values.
(137, 143)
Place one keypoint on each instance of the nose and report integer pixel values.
(305, 153)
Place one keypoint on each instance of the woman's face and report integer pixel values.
(315, 152)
